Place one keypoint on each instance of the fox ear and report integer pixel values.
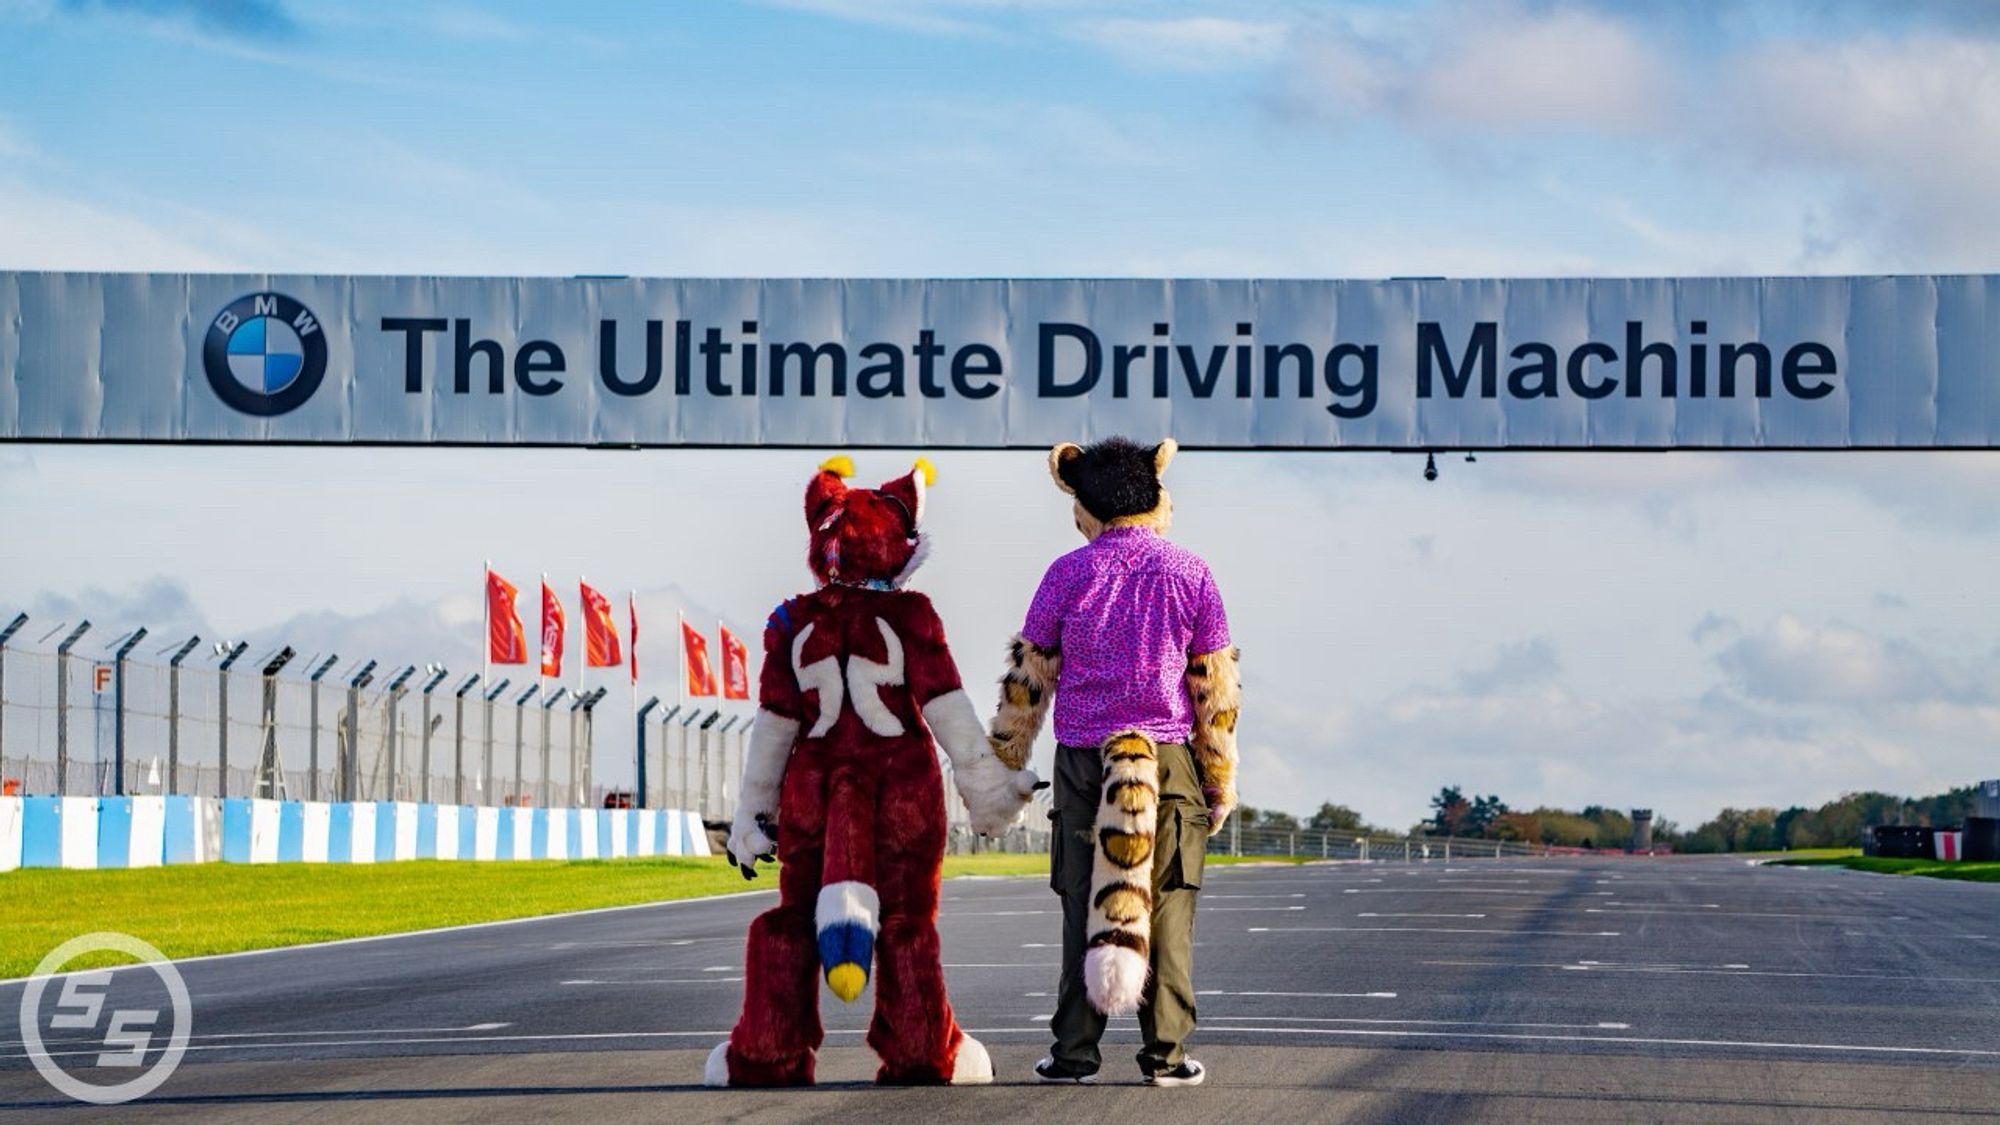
(826, 486)
(909, 489)
(1060, 458)
(1163, 454)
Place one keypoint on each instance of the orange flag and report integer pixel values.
(600, 632)
(700, 673)
(506, 641)
(735, 666)
(552, 633)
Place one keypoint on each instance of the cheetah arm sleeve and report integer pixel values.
(1025, 693)
(1216, 687)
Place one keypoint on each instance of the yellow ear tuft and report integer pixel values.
(841, 466)
(929, 470)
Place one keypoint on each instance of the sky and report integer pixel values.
(1679, 631)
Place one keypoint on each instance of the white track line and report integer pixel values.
(1356, 1032)
(1303, 995)
(1423, 1023)
(661, 981)
(1371, 914)
(1578, 967)
(315, 945)
(1248, 909)
(1459, 891)
(298, 1034)
(1428, 930)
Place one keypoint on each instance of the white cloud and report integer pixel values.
(1904, 123)
(40, 230)
(1197, 43)
(1792, 661)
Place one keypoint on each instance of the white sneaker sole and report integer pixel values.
(1163, 1080)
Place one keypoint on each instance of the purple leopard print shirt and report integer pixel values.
(1127, 610)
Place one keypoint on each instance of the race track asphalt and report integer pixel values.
(1560, 989)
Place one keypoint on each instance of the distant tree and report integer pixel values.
(1336, 818)
(1449, 811)
(1485, 810)
(1517, 826)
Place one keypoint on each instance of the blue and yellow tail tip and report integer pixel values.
(846, 949)
(847, 979)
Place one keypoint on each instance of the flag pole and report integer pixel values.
(486, 634)
(541, 672)
(681, 646)
(583, 619)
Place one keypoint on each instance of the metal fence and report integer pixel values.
(82, 717)
(1237, 839)
(134, 717)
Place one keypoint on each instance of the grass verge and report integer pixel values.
(1934, 868)
(227, 908)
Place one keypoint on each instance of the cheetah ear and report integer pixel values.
(1163, 454)
(1060, 458)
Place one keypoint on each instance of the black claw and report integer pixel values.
(1041, 785)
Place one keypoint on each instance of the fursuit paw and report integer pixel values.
(995, 796)
(751, 840)
(1220, 805)
(972, 1066)
(716, 1071)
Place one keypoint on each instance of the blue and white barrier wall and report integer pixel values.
(90, 832)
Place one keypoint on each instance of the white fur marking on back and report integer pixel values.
(822, 676)
(866, 678)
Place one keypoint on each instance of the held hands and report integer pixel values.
(995, 796)
(1219, 807)
(751, 839)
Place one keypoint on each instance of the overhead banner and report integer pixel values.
(1586, 363)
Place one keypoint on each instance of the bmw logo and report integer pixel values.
(264, 354)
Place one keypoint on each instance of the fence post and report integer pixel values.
(1235, 835)
(687, 759)
(666, 741)
(488, 787)
(722, 746)
(62, 707)
(350, 754)
(578, 798)
(1447, 849)
(548, 704)
(392, 742)
(229, 659)
(118, 710)
(312, 724)
(520, 742)
(1406, 851)
(707, 723)
(437, 675)
(269, 778)
(639, 751)
(458, 739)
(6, 635)
(174, 713)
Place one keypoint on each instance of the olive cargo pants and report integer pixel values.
(1181, 845)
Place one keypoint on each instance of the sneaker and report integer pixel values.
(1049, 1070)
(1189, 1073)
